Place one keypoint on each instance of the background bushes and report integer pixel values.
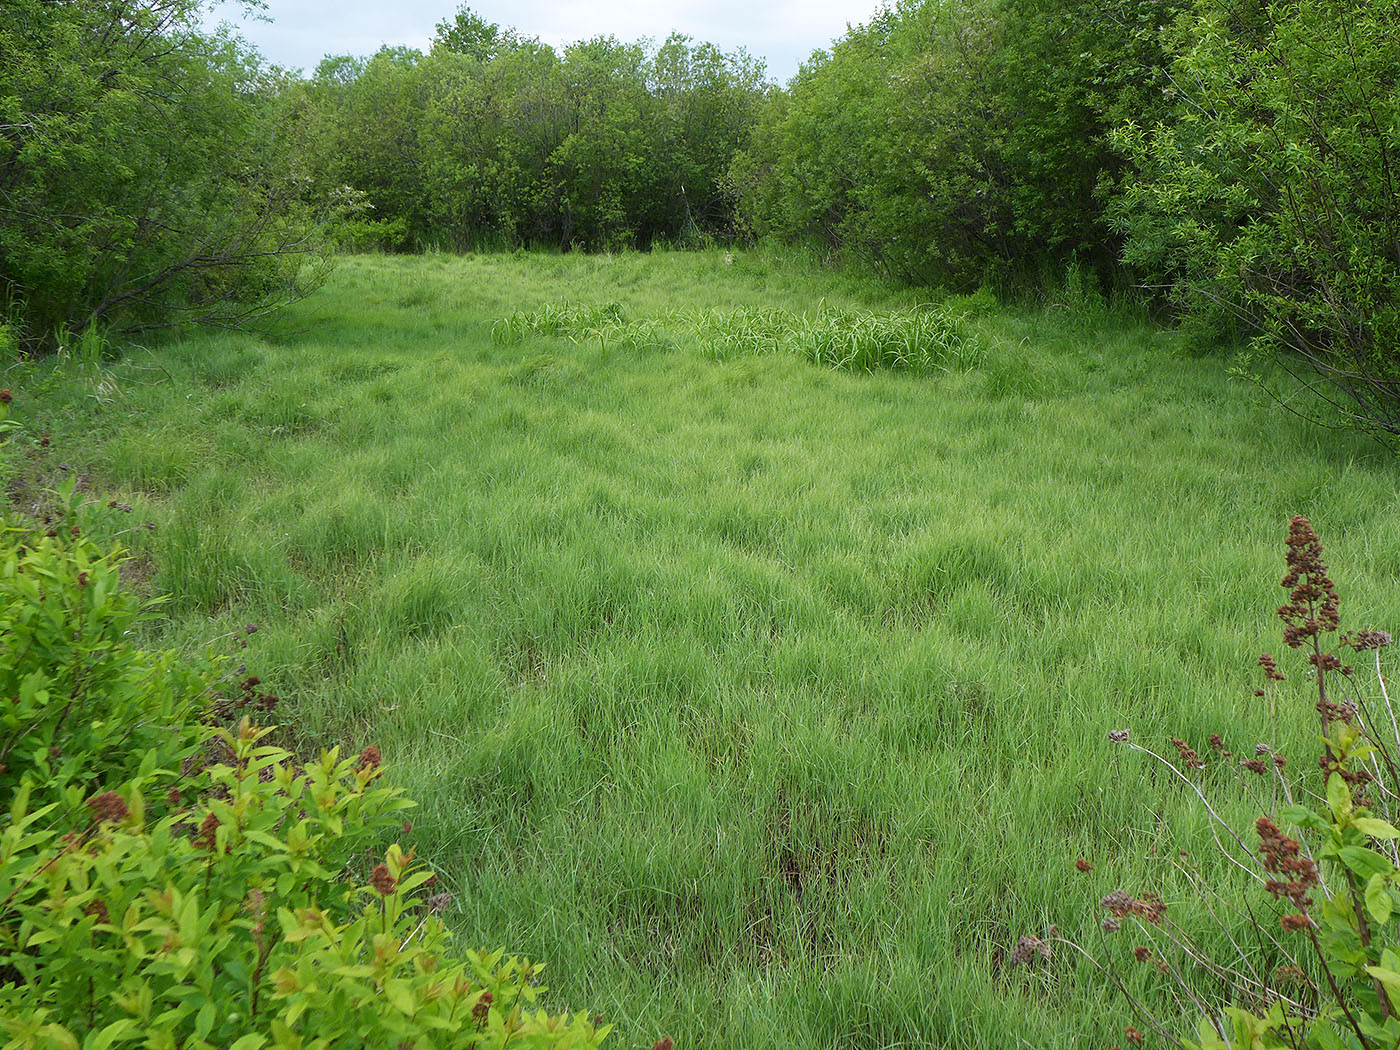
(144, 176)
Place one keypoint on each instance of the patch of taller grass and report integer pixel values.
(919, 339)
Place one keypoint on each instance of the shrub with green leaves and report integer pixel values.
(85, 705)
(1311, 963)
(171, 885)
(229, 922)
(1269, 203)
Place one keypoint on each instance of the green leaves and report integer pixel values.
(1266, 198)
(88, 703)
(227, 923)
(141, 177)
(1375, 828)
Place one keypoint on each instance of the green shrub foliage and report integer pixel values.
(170, 886)
(1270, 200)
(144, 177)
(86, 705)
(952, 142)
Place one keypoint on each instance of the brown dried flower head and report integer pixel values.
(382, 880)
(1367, 639)
(1187, 754)
(108, 806)
(1027, 950)
(1311, 609)
(1281, 857)
(208, 829)
(1150, 908)
(482, 1007)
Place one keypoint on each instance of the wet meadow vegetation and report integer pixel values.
(767, 701)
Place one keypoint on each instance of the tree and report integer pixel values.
(467, 33)
(144, 176)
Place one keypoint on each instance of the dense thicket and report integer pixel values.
(492, 139)
(1240, 157)
(1269, 199)
(955, 140)
(144, 176)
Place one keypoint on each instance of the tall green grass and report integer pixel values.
(768, 702)
(921, 339)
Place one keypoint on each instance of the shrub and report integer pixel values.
(1268, 202)
(1317, 965)
(86, 705)
(170, 885)
(146, 176)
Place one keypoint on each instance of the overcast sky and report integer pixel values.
(781, 32)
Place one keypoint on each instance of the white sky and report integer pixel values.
(781, 32)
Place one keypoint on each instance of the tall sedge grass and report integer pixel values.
(919, 339)
(766, 702)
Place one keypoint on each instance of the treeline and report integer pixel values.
(497, 140)
(952, 142)
(1236, 160)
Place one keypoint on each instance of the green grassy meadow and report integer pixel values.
(766, 702)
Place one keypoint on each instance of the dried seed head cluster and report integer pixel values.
(438, 903)
(382, 881)
(1281, 857)
(369, 758)
(109, 807)
(208, 829)
(1357, 778)
(1189, 758)
(482, 1007)
(1366, 639)
(1312, 597)
(1027, 950)
(1150, 908)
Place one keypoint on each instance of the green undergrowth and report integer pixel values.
(768, 702)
